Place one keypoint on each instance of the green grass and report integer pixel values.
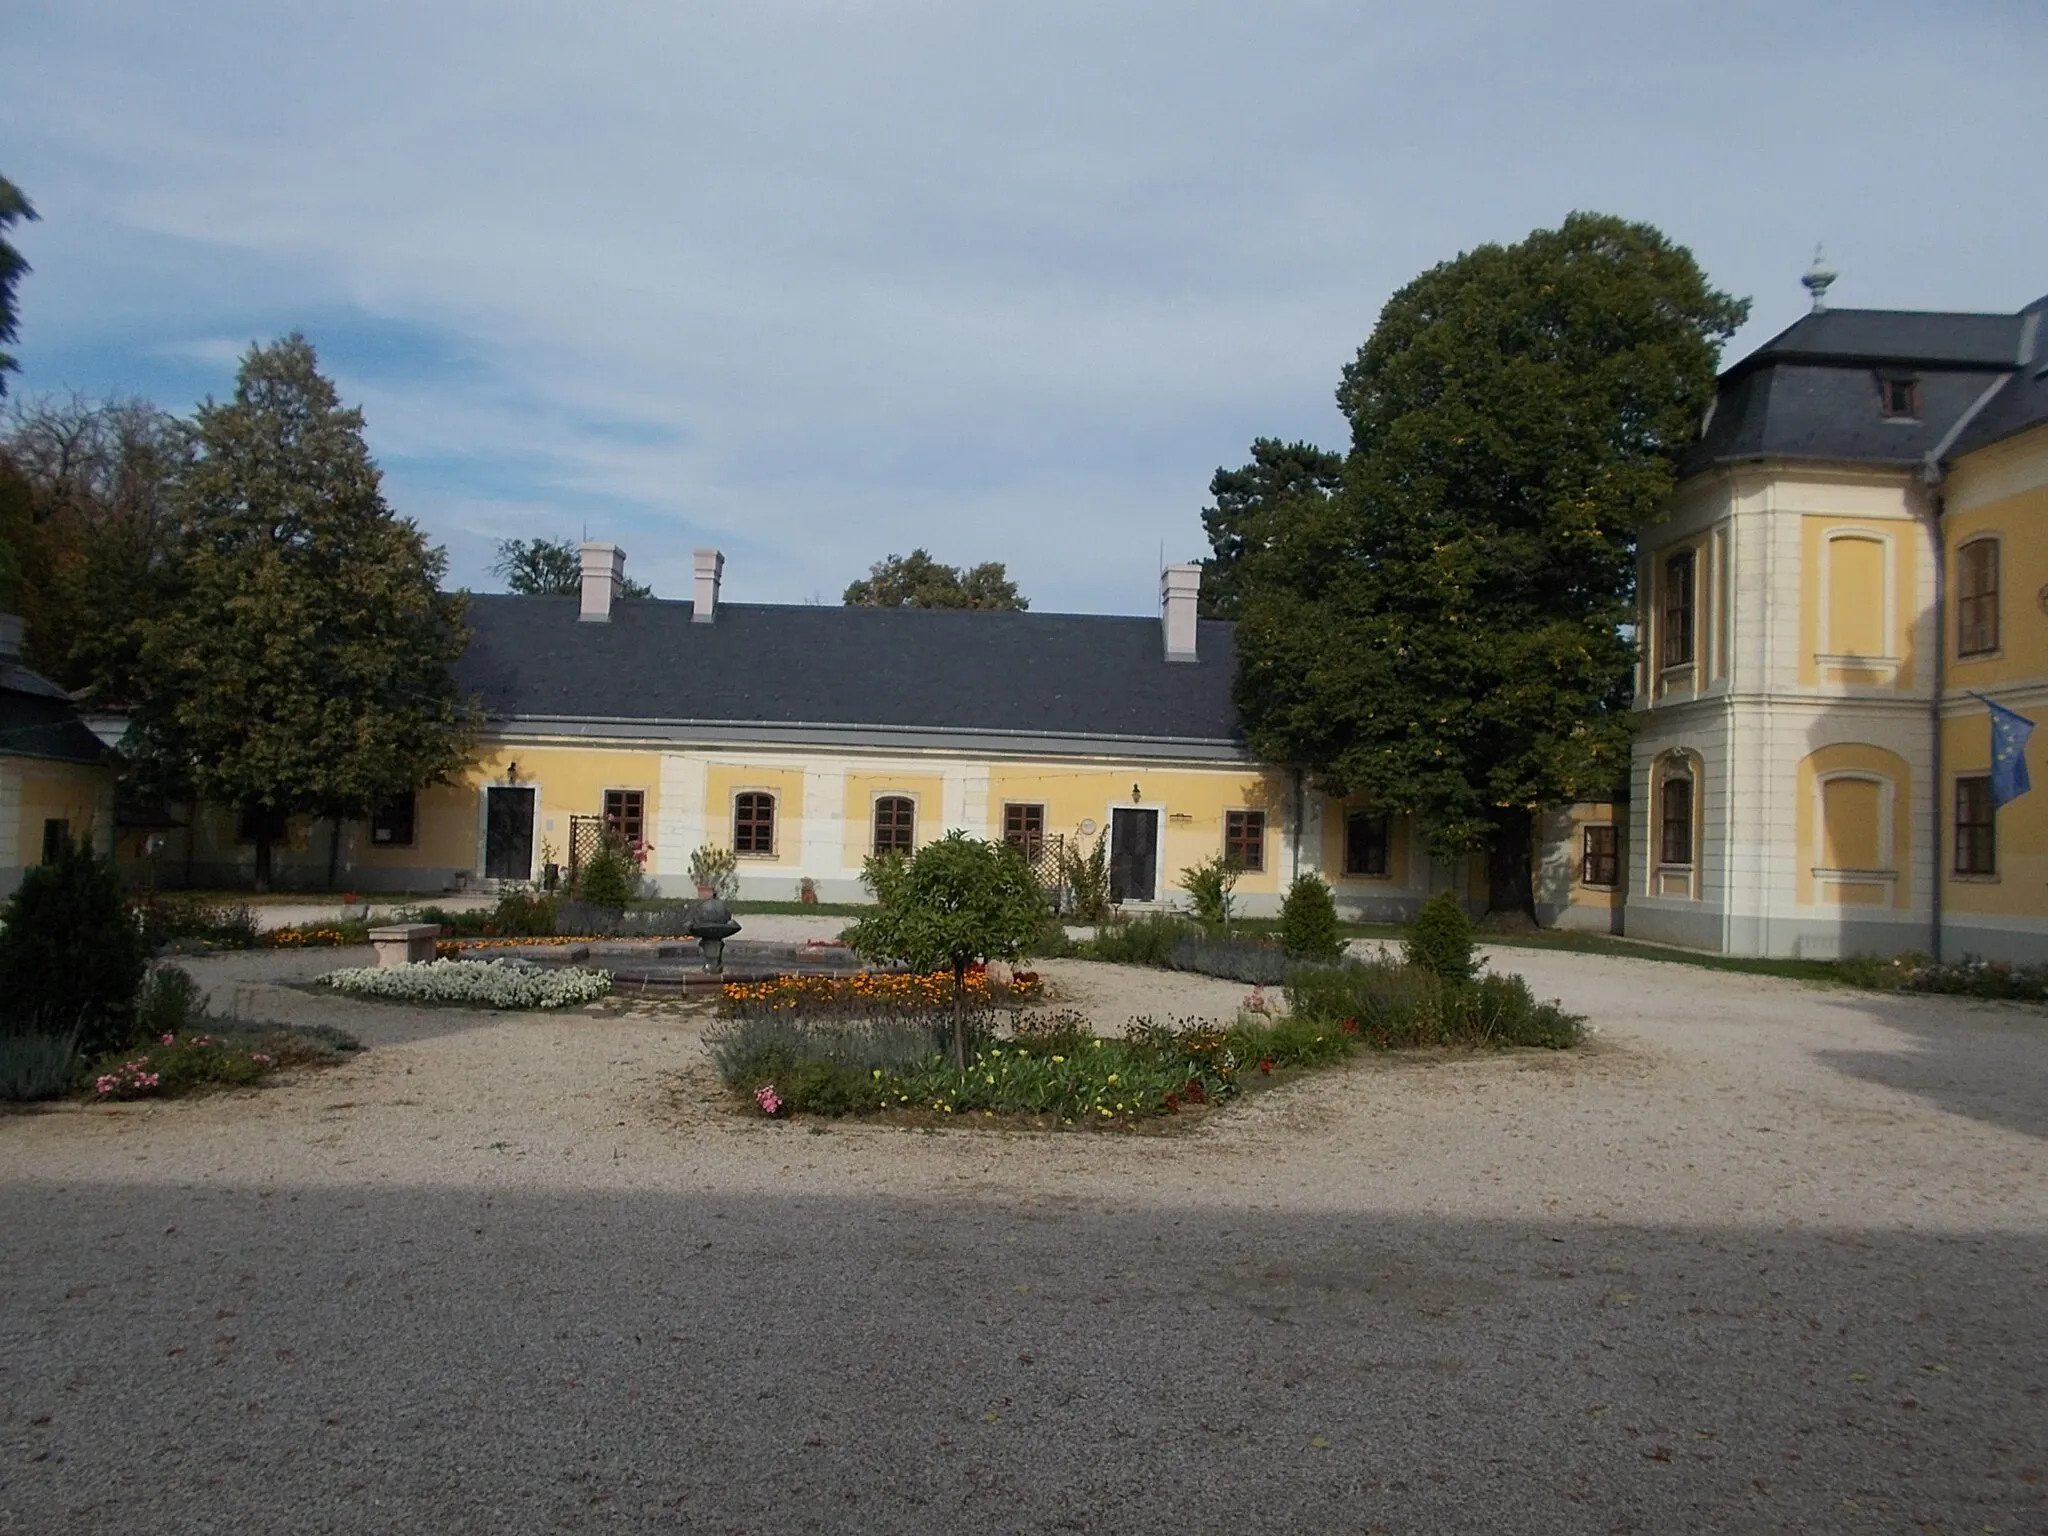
(802, 908)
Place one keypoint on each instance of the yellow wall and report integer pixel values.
(2005, 495)
(1842, 824)
(926, 791)
(1335, 814)
(2015, 889)
(1606, 898)
(53, 791)
(1845, 600)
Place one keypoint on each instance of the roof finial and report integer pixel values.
(1818, 277)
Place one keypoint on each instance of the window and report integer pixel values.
(252, 819)
(1676, 847)
(895, 824)
(1244, 838)
(1600, 857)
(392, 824)
(56, 838)
(1977, 597)
(1366, 841)
(1024, 828)
(753, 825)
(1678, 609)
(1976, 827)
(1900, 398)
(625, 812)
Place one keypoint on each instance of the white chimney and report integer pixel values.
(1179, 587)
(604, 568)
(704, 593)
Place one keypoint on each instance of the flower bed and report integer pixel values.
(1971, 976)
(317, 936)
(477, 983)
(234, 1056)
(871, 990)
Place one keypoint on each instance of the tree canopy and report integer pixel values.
(548, 568)
(1448, 632)
(916, 580)
(14, 208)
(957, 900)
(303, 663)
(85, 507)
(1250, 503)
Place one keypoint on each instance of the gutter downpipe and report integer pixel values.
(1933, 473)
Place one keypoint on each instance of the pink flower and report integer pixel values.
(769, 1100)
(170, 1040)
(259, 1058)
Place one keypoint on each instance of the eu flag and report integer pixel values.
(2009, 733)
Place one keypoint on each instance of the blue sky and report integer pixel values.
(818, 280)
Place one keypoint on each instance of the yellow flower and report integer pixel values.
(1058, 1059)
(1112, 1079)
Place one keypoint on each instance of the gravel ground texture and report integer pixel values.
(1760, 1257)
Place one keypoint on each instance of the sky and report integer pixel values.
(817, 281)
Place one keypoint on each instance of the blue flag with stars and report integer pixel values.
(2009, 733)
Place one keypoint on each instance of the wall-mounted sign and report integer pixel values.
(1087, 826)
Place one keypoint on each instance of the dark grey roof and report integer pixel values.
(1066, 675)
(35, 723)
(1812, 391)
(2023, 402)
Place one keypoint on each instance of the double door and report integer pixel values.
(1133, 854)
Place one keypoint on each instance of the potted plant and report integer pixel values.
(715, 871)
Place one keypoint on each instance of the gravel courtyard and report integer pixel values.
(1762, 1257)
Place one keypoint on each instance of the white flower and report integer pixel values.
(491, 983)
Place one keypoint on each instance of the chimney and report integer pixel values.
(10, 637)
(604, 568)
(1179, 587)
(704, 593)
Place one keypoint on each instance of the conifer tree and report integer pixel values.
(304, 663)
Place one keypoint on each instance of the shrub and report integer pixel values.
(525, 914)
(611, 878)
(1250, 961)
(1052, 942)
(36, 1065)
(1394, 1005)
(71, 956)
(170, 1001)
(1209, 885)
(167, 920)
(228, 1055)
(1085, 878)
(716, 870)
(1971, 976)
(1146, 940)
(1308, 921)
(1440, 938)
(486, 983)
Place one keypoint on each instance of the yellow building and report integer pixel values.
(806, 738)
(55, 782)
(1853, 552)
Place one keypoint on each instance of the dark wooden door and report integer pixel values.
(508, 834)
(1133, 855)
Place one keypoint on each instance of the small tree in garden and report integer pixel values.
(612, 877)
(1440, 938)
(1209, 886)
(957, 901)
(71, 955)
(1308, 920)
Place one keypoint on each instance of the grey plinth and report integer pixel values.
(405, 943)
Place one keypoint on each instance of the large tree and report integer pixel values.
(1250, 504)
(1450, 633)
(916, 580)
(548, 568)
(304, 664)
(14, 208)
(85, 505)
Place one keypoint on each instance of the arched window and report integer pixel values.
(895, 824)
(1977, 597)
(1675, 807)
(753, 824)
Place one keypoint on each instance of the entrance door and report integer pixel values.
(1133, 855)
(508, 834)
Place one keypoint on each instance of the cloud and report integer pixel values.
(819, 281)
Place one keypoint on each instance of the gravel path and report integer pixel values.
(1762, 1257)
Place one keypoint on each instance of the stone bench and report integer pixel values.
(405, 943)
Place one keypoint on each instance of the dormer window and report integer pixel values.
(1900, 397)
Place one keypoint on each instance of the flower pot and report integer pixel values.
(706, 892)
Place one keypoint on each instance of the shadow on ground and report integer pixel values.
(1982, 1060)
(217, 1358)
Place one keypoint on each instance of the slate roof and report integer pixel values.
(1811, 391)
(885, 669)
(37, 719)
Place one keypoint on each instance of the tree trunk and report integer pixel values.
(960, 1014)
(1511, 877)
(333, 852)
(263, 854)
